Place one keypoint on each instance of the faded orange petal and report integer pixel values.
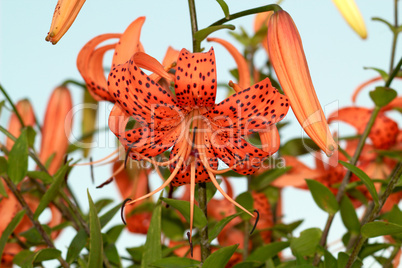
(296, 175)
(287, 57)
(242, 66)
(384, 131)
(26, 112)
(56, 128)
(64, 15)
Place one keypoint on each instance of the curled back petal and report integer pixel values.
(242, 66)
(56, 128)
(195, 79)
(270, 139)
(89, 64)
(383, 133)
(129, 42)
(250, 110)
(171, 56)
(142, 98)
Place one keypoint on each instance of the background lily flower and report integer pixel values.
(64, 15)
(56, 128)
(26, 112)
(352, 15)
(287, 57)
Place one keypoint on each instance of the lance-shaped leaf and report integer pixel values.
(214, 232)
(323, 197)
(53, 190)
(153, 246)
(95, 236)
(176, 262)
(46, 254)
(105, 218)
(9, 230)
(246, 200)
(349, 216)
(220, 257)
(266, 252)
(184, 208)
(224, 7)
(18, 158)
(202, 34)
(380, 228)
(77, 244)
(364, 178)
(306, 243)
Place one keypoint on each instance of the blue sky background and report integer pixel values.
(31, 68)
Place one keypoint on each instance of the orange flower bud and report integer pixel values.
(287, 57)
(64, 15)
(56, 128)
(26, 112)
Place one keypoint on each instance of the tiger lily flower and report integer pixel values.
(56, 128)
(352, 15)
(199, 130)
(64, 15)
(286, 53)
(26, 112)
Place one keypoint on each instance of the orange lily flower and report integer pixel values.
(287, 57)
(56, 128)
(352, 15)
(64, 15)
(26, 112)
(369, 82)
(199, 130)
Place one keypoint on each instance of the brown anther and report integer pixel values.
(256, 221)
(191, 243)
(122, 210)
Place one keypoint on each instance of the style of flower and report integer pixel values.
(352, 15)
(286, 54)
(200, 131)
(64, 15)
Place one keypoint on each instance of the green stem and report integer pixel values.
(272, 7)
(394, 73)
(388, 264)
(30, 215)
(194, 25)
(13, 106)
(202, 198)
(71, 81)
(397, 174)
(395, 36)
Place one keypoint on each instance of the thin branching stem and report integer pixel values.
(13, 106)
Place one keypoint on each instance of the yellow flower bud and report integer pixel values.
(351, 14)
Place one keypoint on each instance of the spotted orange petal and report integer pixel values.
(384, 131)
(195, 79)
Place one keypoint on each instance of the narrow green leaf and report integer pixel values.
(18, 158)
(224, 7)
(3, 165)
(24, 258)
(214, 232)
(329, 260)
(264, 180)
(246, 200)
(153, 246)
(390, 26)
(95, 237)
(136, 253)
(114, 233)
(364, 178)
(349, 216)
(40, 175)
(250, 264)
(105, 218)
(2, 105)
(343, 259)
(31, 134)
(266, 252)
(370, 249)
(184, 208)
(381, 96)
(33, 237)
(220, 257)
(53, 190)
(112, 255)
(202, 34)
(323, 196)
(384, 74)
(9, 229)
(172, 225)
(380, 228)
(46, 254)
(102, 203)
(77, 244)
(306, 243)
(176, 262)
